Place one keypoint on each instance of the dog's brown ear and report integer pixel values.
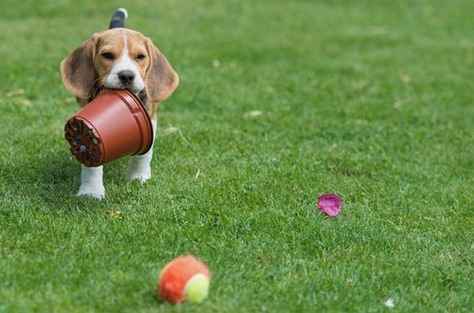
(161, 80)
(77, 70)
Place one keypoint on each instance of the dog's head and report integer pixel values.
(119, 58)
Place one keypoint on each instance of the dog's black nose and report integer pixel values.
(126, 77)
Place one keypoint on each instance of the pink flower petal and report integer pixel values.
(330, 204)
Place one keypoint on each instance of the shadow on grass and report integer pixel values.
(157, 299)
(48, 183)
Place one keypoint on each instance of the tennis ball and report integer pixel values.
(184, 279)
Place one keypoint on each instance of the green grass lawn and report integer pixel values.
(372, 100)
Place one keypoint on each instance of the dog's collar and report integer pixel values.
(96, 87)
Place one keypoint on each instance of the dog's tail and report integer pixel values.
(118, 19)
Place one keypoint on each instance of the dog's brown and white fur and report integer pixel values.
(119, 58)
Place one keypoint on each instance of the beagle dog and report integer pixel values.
(118, 58)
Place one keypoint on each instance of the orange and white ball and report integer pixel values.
(184, 279)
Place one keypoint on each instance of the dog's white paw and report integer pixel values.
(139, 166)
(142, 173)
(94, 191)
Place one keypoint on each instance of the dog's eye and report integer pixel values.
(139, 57)
(108, 56)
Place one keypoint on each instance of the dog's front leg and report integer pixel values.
(91, 182)
(139, 166)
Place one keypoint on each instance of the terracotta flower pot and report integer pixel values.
(113, 125)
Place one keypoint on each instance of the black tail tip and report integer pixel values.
(118, 19)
